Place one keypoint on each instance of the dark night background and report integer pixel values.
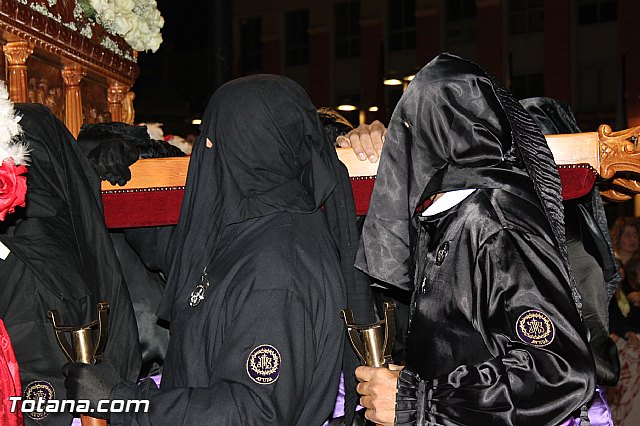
(172, 87)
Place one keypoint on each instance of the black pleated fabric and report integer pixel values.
(542, 169)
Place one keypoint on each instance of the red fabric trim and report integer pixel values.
(577, 180)
(136, 209)
(161, 206)
(362, 188)
(9, 381)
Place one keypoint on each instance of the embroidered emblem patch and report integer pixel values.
(263, 364)
(535, 328)
(35, 391)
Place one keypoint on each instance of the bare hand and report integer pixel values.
(366, 140)
(378, 387)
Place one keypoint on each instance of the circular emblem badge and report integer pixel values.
(535, 328)
(39, 390)
(263, 364)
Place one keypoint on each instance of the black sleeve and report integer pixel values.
(542, 369)
(258, 379)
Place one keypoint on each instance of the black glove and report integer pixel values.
(159, 149)
(112, 160)
(92, 383)
(113, 147)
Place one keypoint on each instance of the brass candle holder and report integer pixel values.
(372, 343)
(83, 348)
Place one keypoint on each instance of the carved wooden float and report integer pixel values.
(611, 158)
(56, 57)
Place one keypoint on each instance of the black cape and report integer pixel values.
(264, 345)
(61, 258)
(495, 333)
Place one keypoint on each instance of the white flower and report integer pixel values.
(137, 21)
(9, 130)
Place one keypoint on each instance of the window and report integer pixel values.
(402, 24)
(527, 85)
(297, 37)
(460, 10)
(250, 32)
(461, 22)
(347, 25)
(597, 11)
(526, 16)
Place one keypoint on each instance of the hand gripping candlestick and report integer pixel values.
(372, 343)
(82, 348)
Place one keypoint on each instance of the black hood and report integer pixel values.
(267, 154)
(552, 116)
(455, 127)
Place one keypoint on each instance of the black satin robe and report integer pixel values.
(486, 262)
(495, 336)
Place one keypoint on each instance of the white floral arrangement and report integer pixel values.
(137, 21)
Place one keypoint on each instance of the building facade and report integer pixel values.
(583, 52)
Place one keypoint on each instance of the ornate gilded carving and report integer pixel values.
(618, 151)
(72, 75)
(128, 112)
(116, 94)
(17, 53)
(619, 162)
(615, 196)
(17, 18)
(40, 91)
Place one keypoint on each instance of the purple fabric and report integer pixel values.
(156, 379)
(599, 412)
(338, 408)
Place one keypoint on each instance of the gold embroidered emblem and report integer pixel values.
(38, 390)
(263, 364)
(535, 328)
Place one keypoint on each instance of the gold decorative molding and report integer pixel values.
(17, 53)
(72, 76)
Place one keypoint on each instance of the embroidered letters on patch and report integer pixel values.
(263, 364)
(535, 328)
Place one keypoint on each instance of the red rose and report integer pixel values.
(13, 187)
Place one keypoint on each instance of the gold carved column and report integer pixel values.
(116, 93)
(72, 75)
(17, 53)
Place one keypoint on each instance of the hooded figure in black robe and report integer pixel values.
(589, 246)
(495, 334)
(61, 258)
(255, 284)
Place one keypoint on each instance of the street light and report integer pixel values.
(346, 107)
